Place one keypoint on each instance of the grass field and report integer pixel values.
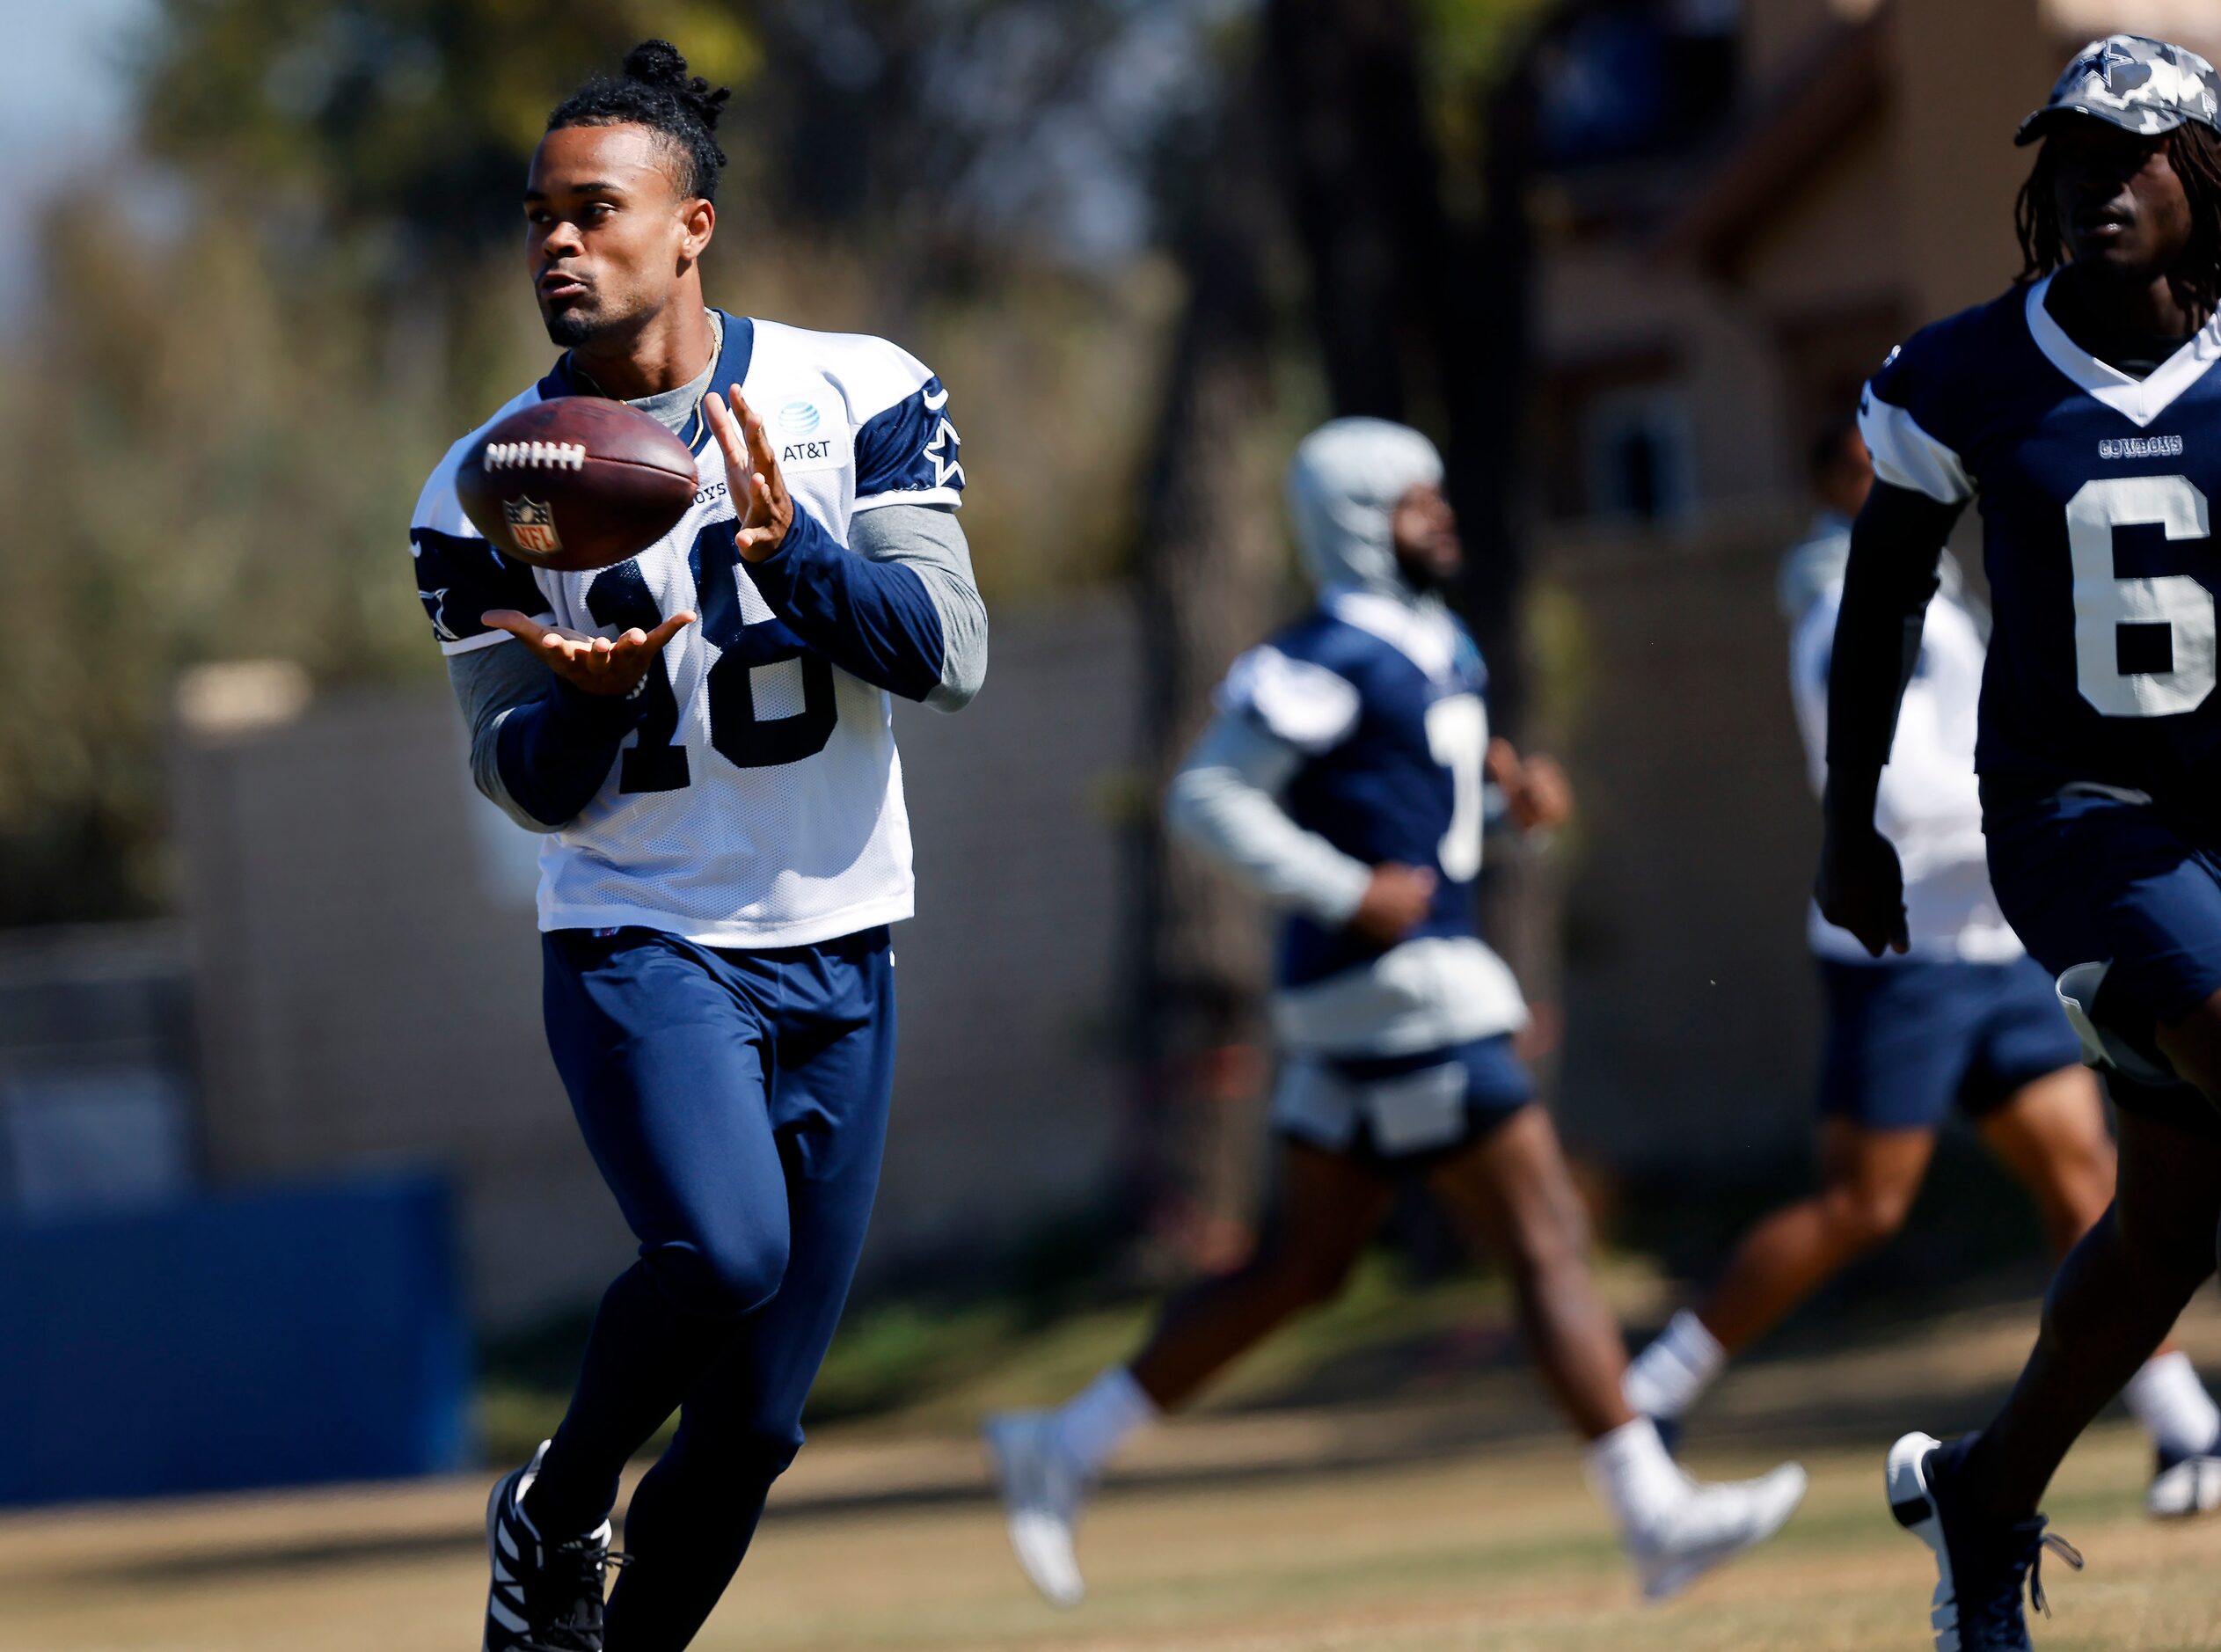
(1452, 1519)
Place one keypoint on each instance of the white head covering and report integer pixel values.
(1342, 487)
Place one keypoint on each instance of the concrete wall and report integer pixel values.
(367, 971)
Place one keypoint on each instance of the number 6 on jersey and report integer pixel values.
(2117, 621)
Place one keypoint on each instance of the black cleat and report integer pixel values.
(542, 1598)
(1982, 1565)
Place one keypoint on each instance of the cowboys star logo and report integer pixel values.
(942, 448)
(435, 604)
(532, 526)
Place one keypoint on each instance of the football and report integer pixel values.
(575, 483)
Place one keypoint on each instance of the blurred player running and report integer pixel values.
(1963, 1016)
(2080, 409)
(1343, 780)
(727, 845)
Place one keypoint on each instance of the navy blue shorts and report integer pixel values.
(2088, 879)
(1401, 1109)
(1908, 1039)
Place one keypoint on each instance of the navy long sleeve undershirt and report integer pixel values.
(1895, 546)
(554, 752)
(875, 620)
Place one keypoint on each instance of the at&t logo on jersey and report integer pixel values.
(2141, 448)
(532, 525)
(799, 420)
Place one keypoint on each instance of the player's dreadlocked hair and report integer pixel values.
(2194, 150)
(656, 91)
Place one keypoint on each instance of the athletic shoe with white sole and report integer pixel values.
(542, 1598)
(1714, 1524)
(1041, 1496)
(2186, 1485)
(1982, 1565)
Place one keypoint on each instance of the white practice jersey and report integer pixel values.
(1929, 805)
(760, 802)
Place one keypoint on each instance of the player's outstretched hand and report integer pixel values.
(1537, 796)
(1395, 902)
(752, 473)
(1861, 887)
(598, 665)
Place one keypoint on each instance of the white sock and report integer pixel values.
(1093, 1424)
(1666, 1377)
(1634, 1477)
(2167, 1397)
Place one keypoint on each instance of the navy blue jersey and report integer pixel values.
(2093, 489)
(1386, 703)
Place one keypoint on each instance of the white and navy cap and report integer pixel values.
(2133, 81)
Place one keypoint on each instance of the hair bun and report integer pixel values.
(658, 63)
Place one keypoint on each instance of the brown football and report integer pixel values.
(576, 483)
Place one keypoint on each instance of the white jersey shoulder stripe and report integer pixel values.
(1906, 456)
(1311, 708)
(871, 373)
(947, 498)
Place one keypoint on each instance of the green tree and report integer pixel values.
(395, 119)
(197, 480)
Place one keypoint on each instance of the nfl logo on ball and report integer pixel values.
(532, 526)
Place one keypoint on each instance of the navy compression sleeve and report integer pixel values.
(555, 751)
(875, 620)
(1895, 545)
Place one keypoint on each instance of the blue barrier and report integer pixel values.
(267, 1338)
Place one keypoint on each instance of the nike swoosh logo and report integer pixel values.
(935, 404)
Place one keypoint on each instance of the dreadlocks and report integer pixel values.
(655, 91)
(2194, 150)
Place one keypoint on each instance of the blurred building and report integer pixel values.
(366, 970)
(1740, 208)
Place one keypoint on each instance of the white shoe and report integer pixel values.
(1041, 1496)
(1713, 1523)
(2186, 1485)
